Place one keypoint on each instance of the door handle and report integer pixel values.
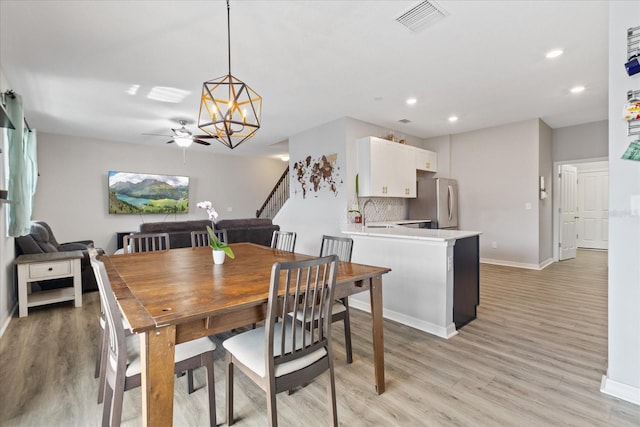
(450, 197)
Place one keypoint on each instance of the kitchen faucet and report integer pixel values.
(364, 206)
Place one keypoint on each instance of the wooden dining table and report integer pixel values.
(178, 295)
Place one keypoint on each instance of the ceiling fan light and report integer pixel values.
(183, 141)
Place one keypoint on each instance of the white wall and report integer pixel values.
(497, 173)
(623, 374)
(72, 188)
(8, 295)
(585, 141)
(545, 211)
(319, 212)
(324, 212)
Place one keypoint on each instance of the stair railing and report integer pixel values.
(276, 198)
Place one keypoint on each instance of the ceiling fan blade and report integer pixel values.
(157, 134)
(205, 136)
(169, 142)
(199, 141)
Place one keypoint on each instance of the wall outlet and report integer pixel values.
(527, 206)
(494, 245)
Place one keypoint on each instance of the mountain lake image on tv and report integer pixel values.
(140, 193)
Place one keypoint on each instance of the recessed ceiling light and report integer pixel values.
(411, 101)
(284, 157)
(453, 119)
(554, 53)
(577, 89)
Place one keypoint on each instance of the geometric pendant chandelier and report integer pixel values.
(229, 109)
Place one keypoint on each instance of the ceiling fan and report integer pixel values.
(183, 136)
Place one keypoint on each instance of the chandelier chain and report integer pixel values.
(229, 36)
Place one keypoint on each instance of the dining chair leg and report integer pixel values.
(347, 331)
(106, 408)
(229, 394)
(101, 351)
(272, 413)
(190, 387)
(102, 363)
(211, 385)
(331, 395)
(118, 398)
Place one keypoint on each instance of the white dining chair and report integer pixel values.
(201, 238)
(145, 242)
(283, 240)
(123, 370)
(343, 248)
(283, 354)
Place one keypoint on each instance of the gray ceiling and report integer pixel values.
(312, 62)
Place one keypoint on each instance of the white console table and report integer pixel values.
(47, 266)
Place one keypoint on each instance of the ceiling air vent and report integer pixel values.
(405, 121)
(422, 14)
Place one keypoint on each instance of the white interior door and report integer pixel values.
(568, 211)
(593, 208)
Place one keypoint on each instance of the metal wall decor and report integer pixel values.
(229, 109)
(632, 112)
(633, 51)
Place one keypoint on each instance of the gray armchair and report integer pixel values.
(41, 239)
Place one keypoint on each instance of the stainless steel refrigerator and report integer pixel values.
(437, 200)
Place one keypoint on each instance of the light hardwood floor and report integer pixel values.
(534, 357)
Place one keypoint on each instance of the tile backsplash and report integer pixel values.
(384, 209)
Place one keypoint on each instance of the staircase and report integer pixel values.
(276, 199)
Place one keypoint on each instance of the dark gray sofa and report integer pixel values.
(41, 239)
(255, 230)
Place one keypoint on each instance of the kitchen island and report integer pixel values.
(434, 283)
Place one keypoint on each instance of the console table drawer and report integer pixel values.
(49, 269)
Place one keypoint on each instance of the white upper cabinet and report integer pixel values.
(385, 168)
(426, 160)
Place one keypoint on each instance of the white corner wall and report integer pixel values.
(72, 188)
(318, 212)
(622, 378)
(545, 207)
(497, 173)
(324, 212)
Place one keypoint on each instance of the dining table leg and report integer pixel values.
(375, 294)
(157, 355)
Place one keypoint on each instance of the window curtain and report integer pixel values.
(23, 168)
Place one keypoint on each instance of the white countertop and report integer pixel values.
(393, 229)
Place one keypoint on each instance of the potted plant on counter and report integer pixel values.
(219, 248)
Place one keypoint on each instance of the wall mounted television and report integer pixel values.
(141, 193)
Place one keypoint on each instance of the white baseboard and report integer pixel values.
(439, 331)
(546, 263)
(5, 325)
(540, 266)
(620, 390)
